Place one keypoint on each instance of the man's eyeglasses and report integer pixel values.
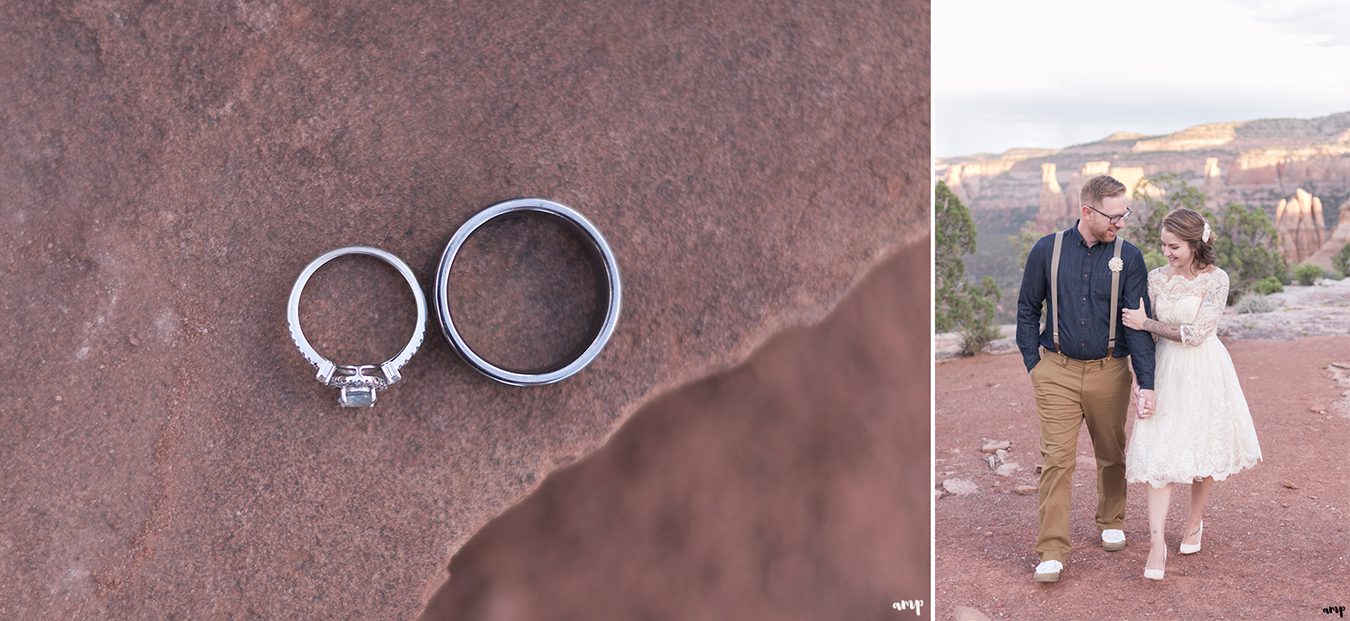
(1113, 219)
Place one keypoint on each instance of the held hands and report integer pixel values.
(1145, 402)
(1134, 317)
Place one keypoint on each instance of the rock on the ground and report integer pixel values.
(1007, 470)
(966, 613)
(960, 487)
(993, 446)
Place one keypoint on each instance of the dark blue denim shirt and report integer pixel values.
(1084, 303)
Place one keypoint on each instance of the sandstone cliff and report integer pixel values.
(1302, 229)
(1255, 163)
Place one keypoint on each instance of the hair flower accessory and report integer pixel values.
(1115, 264)
(1204, 236)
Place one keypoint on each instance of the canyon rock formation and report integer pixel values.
(1254, 163)
(1301, 227)
(1335, 242)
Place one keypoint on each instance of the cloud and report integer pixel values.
(1319, 22)
(1067, 73)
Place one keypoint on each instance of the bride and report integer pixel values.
(1200, 429)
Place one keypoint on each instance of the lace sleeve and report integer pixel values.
(1155, 284)
(1211, 310)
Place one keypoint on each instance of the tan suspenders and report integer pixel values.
(1115, 302)
(1054, 295)
(1054, 289)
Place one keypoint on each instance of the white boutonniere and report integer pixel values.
(1116, 264)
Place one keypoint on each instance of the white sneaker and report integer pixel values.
(1113, 539)
(1048, 571)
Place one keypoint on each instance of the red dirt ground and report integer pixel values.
(1275, 544)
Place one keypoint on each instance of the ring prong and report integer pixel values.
(326, 370)
(390, 373)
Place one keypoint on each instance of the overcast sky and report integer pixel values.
(1054, 73)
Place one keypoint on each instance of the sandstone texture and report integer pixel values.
(790, 487)
(169, 170)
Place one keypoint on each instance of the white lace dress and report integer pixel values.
(1200, 426)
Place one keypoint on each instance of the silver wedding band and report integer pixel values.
(596, 242)
(359, 384)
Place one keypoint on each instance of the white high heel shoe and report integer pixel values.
(1187, 548)
(1157, 574)
(1154, 574)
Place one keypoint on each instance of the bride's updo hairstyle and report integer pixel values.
(1191, 228)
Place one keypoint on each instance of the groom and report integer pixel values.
(1077, 362)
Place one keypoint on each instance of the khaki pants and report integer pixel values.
(1069, 392)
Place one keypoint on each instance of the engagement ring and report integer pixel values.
(359, 384)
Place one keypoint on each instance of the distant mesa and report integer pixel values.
(1199, 137)
(1025, 152)
(1297, 170)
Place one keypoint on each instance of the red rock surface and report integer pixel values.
(169, 170)
(790, 487)
(1271, 550)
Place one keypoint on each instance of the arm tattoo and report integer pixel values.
(1169, 331)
